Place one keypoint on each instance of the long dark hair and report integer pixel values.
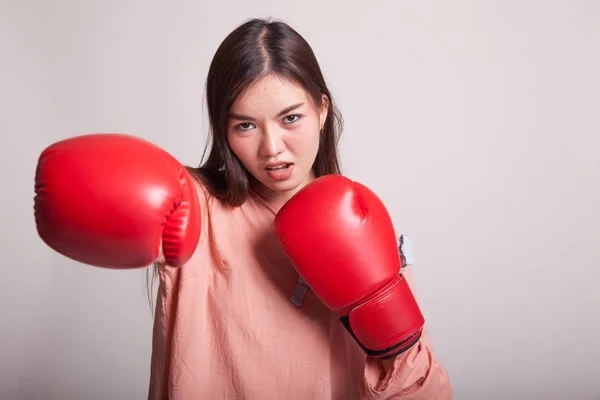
(257, 48)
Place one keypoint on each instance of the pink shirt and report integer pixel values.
(232, 332)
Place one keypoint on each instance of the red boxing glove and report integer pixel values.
(110, 200)
(340, 238)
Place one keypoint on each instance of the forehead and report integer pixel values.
(270, 94)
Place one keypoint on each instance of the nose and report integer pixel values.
(272, 142)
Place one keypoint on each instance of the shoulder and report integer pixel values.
(199, 180)
(211, 189)
(207, 187)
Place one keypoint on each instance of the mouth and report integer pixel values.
(278, 166)
(280, 171)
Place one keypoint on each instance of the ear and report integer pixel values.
(323, 111)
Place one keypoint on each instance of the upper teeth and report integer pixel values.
(282, 166)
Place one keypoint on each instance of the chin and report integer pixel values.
(284, 186)
(293, 184)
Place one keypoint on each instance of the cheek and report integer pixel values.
(305, 145)
(239, 148)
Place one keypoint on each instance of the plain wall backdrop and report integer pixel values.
(477, 123)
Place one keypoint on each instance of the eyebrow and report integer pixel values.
(241, 117)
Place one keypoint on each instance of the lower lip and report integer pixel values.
(281, 174)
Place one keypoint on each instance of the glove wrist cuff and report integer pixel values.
(388, 323)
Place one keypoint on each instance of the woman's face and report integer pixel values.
(274, 130)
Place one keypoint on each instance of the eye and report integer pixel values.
(290, 119)
(244, 126)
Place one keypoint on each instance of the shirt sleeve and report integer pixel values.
(415, 374)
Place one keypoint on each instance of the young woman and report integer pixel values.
(234, 320)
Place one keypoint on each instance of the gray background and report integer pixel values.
(476, 122)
